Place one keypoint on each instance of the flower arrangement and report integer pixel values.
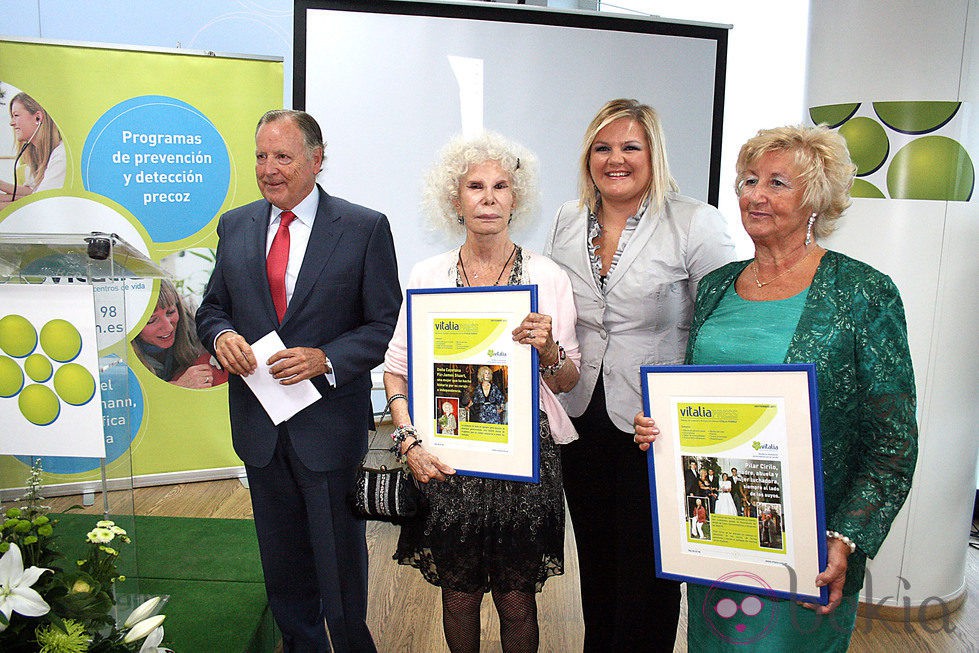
(50, 606)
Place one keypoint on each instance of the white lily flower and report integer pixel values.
(144, 610)
(152, 642)
(16, 594)
(143, 628)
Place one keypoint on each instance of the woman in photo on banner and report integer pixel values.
(168, 346)
(797, 302)
(480, 534)
(39, 145)
(487, 403)
(725, 501)
(698, 519)
(635, 250)
(447, 422)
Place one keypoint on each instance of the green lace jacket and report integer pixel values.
(853, 329)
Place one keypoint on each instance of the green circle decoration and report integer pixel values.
(60, 340)
(867, 142)
(17, 336)
(74, 384)
(931, 168)
(833, 115)
(38, 367)
(863, 188)
(11, 377)
(916, 117)
(39, 404)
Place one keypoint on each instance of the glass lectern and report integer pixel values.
(121, 280)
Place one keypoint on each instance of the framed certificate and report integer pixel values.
(472, 390)
(735, 477)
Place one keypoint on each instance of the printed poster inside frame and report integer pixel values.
(473, 391)
(735, 477)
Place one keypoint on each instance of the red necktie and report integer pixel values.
(275, 264)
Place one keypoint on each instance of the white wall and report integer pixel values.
(542, 97)
(864, 53)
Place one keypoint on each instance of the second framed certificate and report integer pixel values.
(473, 391)
(736, 477)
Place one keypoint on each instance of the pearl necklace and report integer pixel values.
(762, 284)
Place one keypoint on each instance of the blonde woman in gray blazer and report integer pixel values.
(635, 251)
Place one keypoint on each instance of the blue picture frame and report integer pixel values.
(522, 398)
(731, 574)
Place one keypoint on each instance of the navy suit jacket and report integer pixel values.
(346, 302)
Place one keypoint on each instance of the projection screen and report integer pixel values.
(391, 82)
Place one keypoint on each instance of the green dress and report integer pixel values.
(852, 327)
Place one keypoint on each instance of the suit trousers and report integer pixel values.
(314, 553)
(625, 607)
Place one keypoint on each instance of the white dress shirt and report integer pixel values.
(299, 232)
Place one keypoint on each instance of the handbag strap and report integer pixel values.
(370, 445)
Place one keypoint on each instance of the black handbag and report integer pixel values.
(383, 493)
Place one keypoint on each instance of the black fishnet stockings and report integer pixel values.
(460, 620)
(518, 620)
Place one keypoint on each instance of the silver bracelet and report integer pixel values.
(395, 396)
(833, 535)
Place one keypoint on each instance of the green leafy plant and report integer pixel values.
(48, 605)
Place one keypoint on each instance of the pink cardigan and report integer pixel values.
(554, 298)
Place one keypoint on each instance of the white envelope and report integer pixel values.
(280, 401)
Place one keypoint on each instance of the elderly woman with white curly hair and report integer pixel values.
(482, 534)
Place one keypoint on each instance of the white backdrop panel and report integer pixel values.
(383, 89)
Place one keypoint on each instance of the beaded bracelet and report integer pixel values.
(400, 434)
(833, 535)
(403, 458)
(551, 370)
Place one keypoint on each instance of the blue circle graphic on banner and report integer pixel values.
(122, 414)
(163, 160)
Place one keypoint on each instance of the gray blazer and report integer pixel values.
(643, 318)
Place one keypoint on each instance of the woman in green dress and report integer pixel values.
(796, 302)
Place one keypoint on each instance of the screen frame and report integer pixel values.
(522, 14)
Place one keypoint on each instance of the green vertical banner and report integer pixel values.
(152, 145)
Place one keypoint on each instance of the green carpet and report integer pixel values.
(209, 567)
(214, 616)
(222, 549)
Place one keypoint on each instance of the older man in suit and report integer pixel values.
(322, 273)
(691, 479)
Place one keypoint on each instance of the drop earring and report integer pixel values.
(461, 219)
(812, 219)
